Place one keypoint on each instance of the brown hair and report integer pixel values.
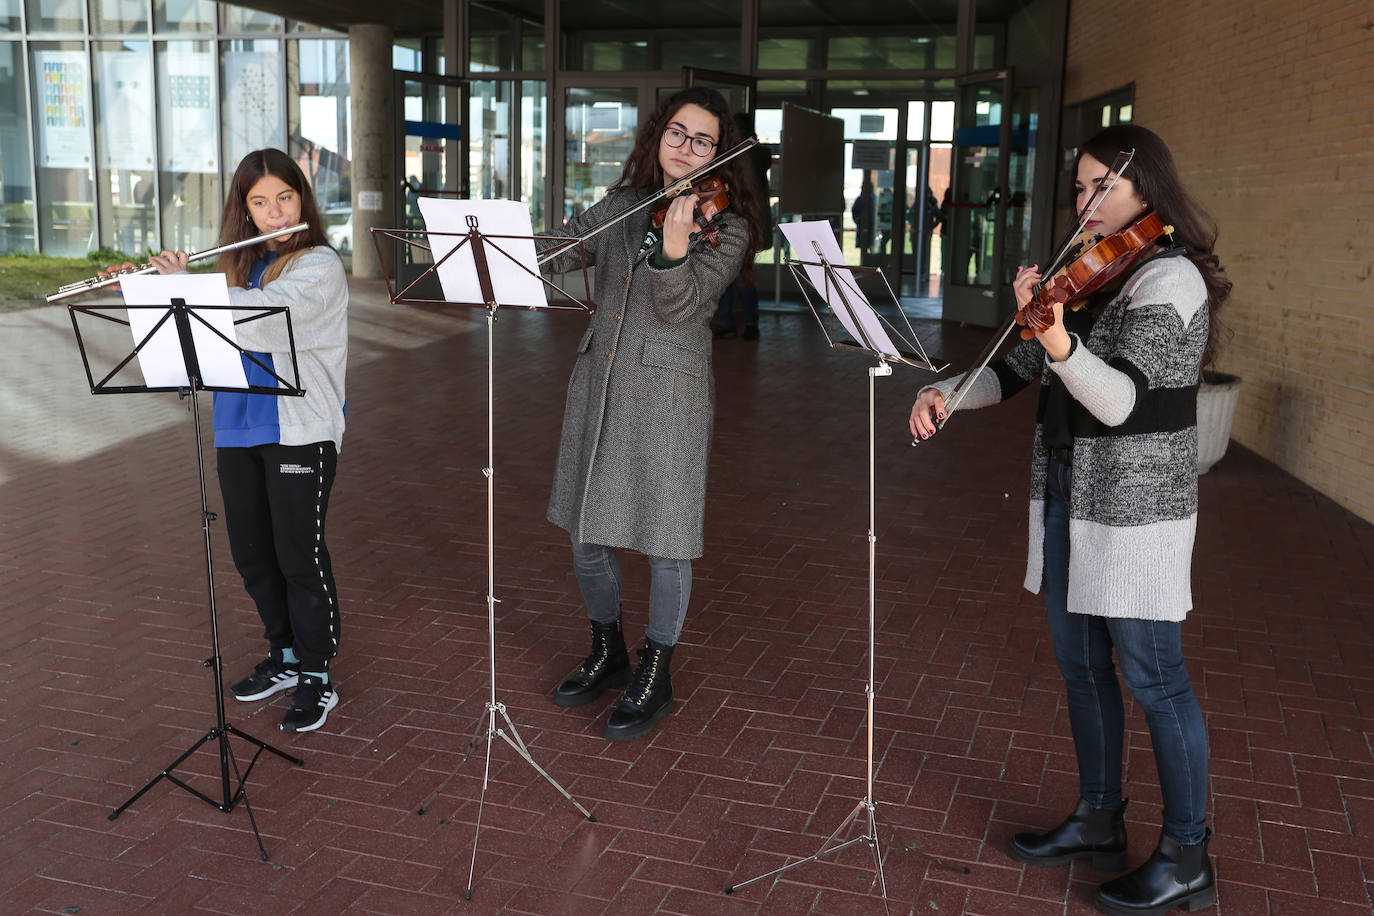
(643, 173)
(1157, 182)
(236, 224)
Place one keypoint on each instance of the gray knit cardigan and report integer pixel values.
(1133, 499)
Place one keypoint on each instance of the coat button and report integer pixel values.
(608, 354)
(627, 278)
(617, 315)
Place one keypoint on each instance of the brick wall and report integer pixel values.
(1268, 107)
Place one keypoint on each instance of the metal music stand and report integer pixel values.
(478, 244)
(181, 317)
(835, 284)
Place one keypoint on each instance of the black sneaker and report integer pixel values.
(310, 705)
(270, 676)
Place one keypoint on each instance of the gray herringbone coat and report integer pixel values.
(641, 401)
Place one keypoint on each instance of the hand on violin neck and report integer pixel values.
(678, 225)
(1024, 284)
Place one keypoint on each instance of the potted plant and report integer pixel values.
(1217, 395)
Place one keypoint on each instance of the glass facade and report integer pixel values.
(122, 120)
(121, 133)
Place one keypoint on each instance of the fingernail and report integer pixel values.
(940, 416)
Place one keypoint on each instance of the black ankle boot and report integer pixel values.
(648, 698)
(608, 665)
(1098, 833)
(1174, 876)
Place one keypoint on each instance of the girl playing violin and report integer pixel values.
(1113, 516)
(640, 409)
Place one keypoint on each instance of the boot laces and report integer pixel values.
(646, 674)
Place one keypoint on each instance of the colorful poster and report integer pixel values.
(252, 110)
(64, 133)
(125, 90)
(187, 101)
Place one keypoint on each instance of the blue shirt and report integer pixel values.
(243, 420)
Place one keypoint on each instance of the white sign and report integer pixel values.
(188, 113)
(252, 106)
(126, 92)
(63, 109)
(511, 261)
(871, 154)
(370, 201)
(161, 359)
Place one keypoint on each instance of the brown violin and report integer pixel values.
(713, 196)
(1095, 262)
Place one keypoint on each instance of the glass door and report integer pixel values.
(976, 213)
(600, 124)
(429, 153)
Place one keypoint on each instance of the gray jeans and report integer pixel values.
(670, 587)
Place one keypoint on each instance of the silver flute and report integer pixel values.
(97, 282)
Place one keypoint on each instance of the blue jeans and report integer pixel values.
(670, 587)
(1150, 654)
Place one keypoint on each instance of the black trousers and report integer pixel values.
(275, 501)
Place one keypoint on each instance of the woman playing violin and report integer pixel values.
(1113, 515)
(640, 409)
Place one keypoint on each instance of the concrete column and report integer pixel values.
(374, 144)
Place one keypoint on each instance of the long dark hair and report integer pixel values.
(644, 174)
(236, 224)
(1157, 182)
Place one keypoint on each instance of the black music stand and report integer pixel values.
(835, 283)
(476, 244)
(181, 317)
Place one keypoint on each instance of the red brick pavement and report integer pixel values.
(103, 625)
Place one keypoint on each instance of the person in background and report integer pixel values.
(744, 290)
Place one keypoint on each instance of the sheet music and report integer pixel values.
(511, 283)
(161, 360)
(847, 301)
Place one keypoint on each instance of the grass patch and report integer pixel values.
(27, 279)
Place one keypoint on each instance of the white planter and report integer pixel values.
(1217, 395)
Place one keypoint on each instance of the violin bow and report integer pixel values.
(1119, 165)
(680, 186)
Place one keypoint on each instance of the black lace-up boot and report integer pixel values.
(1099, 833)
(648, 698)
(1173, 876)
(608, 665)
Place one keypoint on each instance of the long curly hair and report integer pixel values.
(644, 174)
(236, 224)
(1157, 181)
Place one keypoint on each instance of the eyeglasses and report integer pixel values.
(702, 146)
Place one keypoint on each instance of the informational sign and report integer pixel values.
(252, 108)
(64, 109)
(125, 88)
(871, 154)
(370, 201)
(187, 102)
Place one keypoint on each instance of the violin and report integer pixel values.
(712, 197)
(1095, 261)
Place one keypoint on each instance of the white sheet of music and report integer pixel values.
(511, 283)
(161, 360)
(853, 307)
